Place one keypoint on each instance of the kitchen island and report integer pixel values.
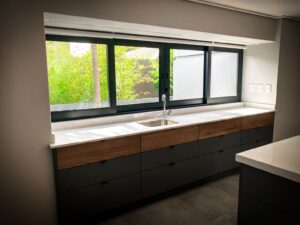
(270, 184)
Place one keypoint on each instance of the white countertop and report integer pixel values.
(281, 158)
(101, 132)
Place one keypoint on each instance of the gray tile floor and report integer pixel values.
(213, 203)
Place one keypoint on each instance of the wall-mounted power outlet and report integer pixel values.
(252, 88)
(260, 88)
(268, 88)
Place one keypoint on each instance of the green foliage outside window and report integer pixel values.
(71, 76)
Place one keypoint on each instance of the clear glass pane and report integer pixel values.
(137, 75)
(224, 74)
(77, 74)
(186, 74)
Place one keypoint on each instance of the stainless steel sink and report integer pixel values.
(157, 122)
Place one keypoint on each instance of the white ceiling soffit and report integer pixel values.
(267, 8)
(123, 29)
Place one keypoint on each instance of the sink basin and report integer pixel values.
(157, 122)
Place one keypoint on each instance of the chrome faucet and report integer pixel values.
(165, 112)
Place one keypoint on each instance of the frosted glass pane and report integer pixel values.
(224, 74)
(186, 74)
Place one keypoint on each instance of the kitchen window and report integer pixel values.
(91, 77)
(186, 75)
(225, 75)
(137, 74)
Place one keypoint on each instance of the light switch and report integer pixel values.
(268, 88)
(259, 88)
(252, 88)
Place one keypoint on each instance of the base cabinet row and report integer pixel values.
(89, 190)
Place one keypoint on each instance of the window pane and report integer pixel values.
(224, 74)
(77, 74)
(186, 74)
(137, 75)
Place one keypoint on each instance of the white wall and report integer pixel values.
(260, 69)
(287, 120)
(26, 171)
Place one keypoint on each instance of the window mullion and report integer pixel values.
(207, 73)
(166, 73)
(112, 76)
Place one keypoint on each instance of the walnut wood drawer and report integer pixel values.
(83, 154)
(250, 122)
(169, 137)
(207, 130)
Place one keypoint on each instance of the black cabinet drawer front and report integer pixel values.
(255, 144)
(219, 143)
(264, 186)
(255, 212)
(156, 158)
(97, 172)
(214, 163)
(249, 146)
(168, 177)
(90, 201)
(228, 158)
(209, 165)
(253, 135)
(266, 132)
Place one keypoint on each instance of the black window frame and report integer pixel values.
(94, 112)
(227, 99)
(164, 78)
(183, 102)
(142, 106)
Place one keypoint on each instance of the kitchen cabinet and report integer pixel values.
(93, 178)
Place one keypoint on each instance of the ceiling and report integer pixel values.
(272, 8)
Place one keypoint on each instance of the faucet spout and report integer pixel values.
(165, 112)
(164, 100)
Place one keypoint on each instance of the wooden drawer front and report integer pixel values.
(213, 129)
(97, 172)
(250, 122)
(275, 191)
(82, 154)
(168, 177)
(214, 163)
(248, 136)
(160, 157)
(215, 144)
(167, 138)
(80, 204)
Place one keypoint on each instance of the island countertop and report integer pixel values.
(280, 158)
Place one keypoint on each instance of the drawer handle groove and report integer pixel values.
(104, 182)
(172, 164)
